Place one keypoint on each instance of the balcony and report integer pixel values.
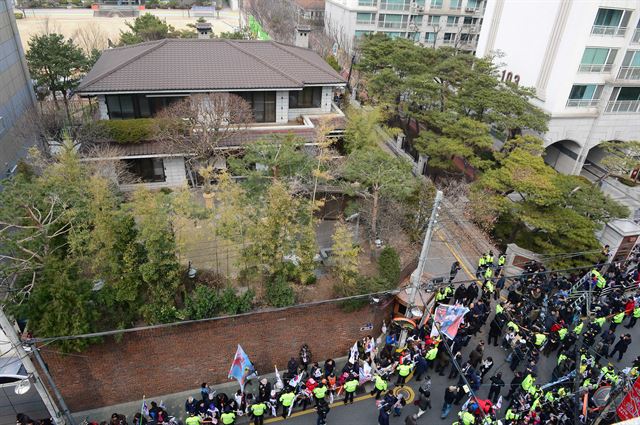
(367, 22)
(629, 73)
(435, 6)
(636, 36)
(452, 25)
(582, 103)
(595, 68)
(392, 25)
(392, 6)
(608, 30)
(623, 106)
(416, 10)
(368, 3)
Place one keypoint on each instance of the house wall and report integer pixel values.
(102, 107)
(282, 107)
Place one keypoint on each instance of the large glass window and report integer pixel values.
(126, 106)
(455, 4)
(584, 95)
(365, 18)
(309, 97)
(360, 33)
(597, 59)
(147, 170)
(608, 17)
(263, 105)
(433, 20)
(436, 4)
(452, 21)
(429, 37)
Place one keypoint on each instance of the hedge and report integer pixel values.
(128, 131)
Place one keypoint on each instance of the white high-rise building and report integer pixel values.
(430, 22)
(583, 59)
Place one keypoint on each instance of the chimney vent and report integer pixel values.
(302, 36)
(204, 30)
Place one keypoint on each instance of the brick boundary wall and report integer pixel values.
(178, 358)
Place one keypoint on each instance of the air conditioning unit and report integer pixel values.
(470, 9)
(420, 9)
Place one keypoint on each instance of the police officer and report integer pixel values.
(319, 393)
(228, 417)
(380, 386)
(322, 408)
(634, 317)
(350, 388)
(403, 371)
(257, 411)
(286, 400)
(616, 320)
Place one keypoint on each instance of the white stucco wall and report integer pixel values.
(282, 107)
(102, 107)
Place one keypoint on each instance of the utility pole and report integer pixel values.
(422, 261)
(34, 376)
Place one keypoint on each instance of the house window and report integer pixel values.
(263, 105)
(597, 59)
(472, 4)
(436, 4)
(126, 106)
(309, 97)
(392, 21)
(416, 20)
(449, 37)
(630, 69)
(624, 100)
(452, 21)
(147, 170)
(584, 95)
(455, 4)
(367, 3)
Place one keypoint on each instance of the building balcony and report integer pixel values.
(395, 7)
(595, 68)
(582, 103)
(366, 23)
(392, 25)
(417, 10)
(368, 3)
(629, 73)
(608, 30)
(636, 36)
(435, 6)
(623, 106)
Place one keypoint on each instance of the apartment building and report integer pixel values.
(432, 23)
(16, 94)
(583, 59)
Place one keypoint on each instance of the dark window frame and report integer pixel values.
(263, 104)
(144, 169)
(308, 97)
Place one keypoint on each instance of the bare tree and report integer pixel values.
(200, 124)
(91, 38)
(278, 17)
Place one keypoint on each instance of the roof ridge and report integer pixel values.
(281, 46)
(279, 71)
(153, 47)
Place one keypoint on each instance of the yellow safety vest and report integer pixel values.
(350, 386)
(228, 418)
(258, 409)
(618, 318)
(287, 398)
(320, 392)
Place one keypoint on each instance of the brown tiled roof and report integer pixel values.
(185, 65)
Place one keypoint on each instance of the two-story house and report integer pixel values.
(290, 89)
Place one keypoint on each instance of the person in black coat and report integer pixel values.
(496, 386)
(621, 346)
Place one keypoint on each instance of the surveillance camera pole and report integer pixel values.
(15, 341)
(416, 276)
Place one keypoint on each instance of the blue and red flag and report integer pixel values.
(241, 367)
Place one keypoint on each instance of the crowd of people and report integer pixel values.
(536, 315)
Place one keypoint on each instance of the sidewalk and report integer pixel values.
(174, 403)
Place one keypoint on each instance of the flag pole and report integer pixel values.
(142, 409)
